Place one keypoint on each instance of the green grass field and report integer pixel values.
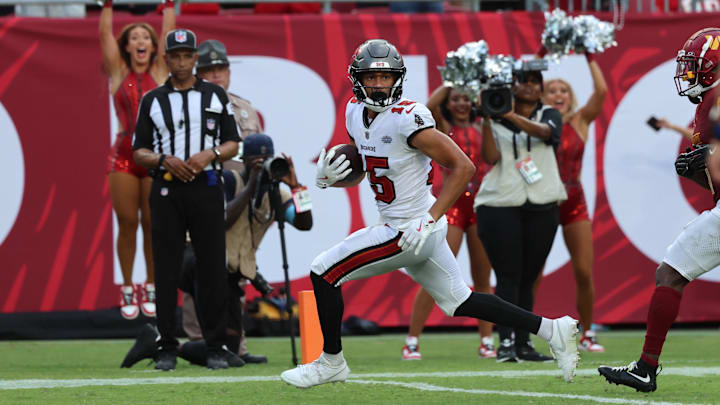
(88, 372)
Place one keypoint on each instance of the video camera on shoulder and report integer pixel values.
(496, 98)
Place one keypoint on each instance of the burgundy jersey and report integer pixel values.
(127, 98)
(703, 126)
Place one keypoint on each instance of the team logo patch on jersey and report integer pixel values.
(210, 124)
(180, 36)
(419, 121)
(164, 191)
(386, 139)
(367, 135)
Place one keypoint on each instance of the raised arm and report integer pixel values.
(112, 60)
(435, 100)
(592, 109)
(444, 151)
(168, 24)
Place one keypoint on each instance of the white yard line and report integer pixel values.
(73, 383)
(683, 371)
(530, 394)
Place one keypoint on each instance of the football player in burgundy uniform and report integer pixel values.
(697, 249)
(397, 141)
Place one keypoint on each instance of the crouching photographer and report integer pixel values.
(249, 213)
(517, 205)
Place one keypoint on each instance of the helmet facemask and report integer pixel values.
(377, 101)
(694, 75)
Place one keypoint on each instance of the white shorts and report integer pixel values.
(373, 251)
(697, 249)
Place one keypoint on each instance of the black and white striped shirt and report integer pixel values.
(182, 123)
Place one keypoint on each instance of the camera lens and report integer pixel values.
(496, 100)
(277, 167)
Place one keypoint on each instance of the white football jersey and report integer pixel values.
(400, 175)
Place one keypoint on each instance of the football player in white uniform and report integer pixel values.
(397, 140)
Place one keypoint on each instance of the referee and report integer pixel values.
(185, 129)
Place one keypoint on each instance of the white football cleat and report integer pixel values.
(316, 373)
(564, 347)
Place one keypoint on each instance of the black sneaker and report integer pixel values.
(527, 352)
(254, 358)
(233, 359)
(216, 359)
(506, 352)
(166, 360)
(638, 375)
(144, 347)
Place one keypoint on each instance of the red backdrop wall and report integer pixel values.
(57, 254)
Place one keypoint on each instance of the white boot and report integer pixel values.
(318, 372)
(563, 345)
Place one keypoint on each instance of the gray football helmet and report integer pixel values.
(377, 55)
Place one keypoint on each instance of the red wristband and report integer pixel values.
(107, 3)
(541, 52)
(589, 56)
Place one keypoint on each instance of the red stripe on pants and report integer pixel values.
(362, 259)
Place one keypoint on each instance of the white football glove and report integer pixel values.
(328, 173)
(416, 232)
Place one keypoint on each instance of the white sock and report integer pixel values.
(411, 340)
(334, 359)
(546, 329)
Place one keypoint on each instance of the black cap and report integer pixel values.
(212, 52)
(258, 145)
(180, 39)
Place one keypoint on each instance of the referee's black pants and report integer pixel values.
(517, 241)
(199, 208)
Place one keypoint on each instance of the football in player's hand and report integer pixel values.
(351, 154)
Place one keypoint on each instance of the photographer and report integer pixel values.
(517, 205)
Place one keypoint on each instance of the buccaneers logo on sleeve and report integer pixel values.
(419, 121)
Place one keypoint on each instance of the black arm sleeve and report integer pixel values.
(553, 118)
(228, 127)
(144, 127)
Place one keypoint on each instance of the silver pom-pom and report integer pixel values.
(559, 34)
(593, 35)
(499, 69)
(584, 33)
(464, 68)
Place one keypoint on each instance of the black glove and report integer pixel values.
(691, 162)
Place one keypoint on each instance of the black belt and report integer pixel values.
(164, 175)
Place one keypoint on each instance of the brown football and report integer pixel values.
(351, 154)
